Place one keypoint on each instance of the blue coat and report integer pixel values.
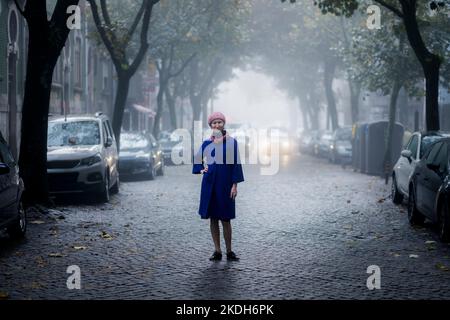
(224, 169)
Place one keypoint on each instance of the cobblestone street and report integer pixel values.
(308, 232)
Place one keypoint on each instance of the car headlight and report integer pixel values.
(91, 160)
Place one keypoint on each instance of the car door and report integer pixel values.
(406, 166)
(434, 179)
(9, 183)
(426, 177)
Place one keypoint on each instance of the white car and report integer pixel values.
(410, 156)
(82, 156)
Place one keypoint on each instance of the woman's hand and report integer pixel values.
(204, 170)
(233, 192)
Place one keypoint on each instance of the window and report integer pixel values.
(442, 158)
(73, 133)
(432, 156)
(78, 63)
(5, 154)
(413, 146)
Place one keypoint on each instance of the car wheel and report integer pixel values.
(161, 169)
(397, 197)
(104, 196)
(414, 216)
(19, 228)
(444, 222)
(151, 172)
(115, 187)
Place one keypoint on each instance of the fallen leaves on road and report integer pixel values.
(381, 200)
(79, 247)
(55, 255)
(4, 295)
(41, 262)
(430, 242)
(37, 222)
(442, 267)
(414, 256)
(106, 235)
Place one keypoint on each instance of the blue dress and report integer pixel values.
(224, 169)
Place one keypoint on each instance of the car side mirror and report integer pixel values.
(108, 142)
(4, 169)
(407, 154)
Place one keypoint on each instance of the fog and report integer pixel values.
(252, 97)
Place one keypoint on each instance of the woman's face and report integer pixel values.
(217, 125)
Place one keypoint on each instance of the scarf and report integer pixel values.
(219, 139)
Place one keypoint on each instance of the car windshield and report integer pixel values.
(344, 134)
(427, 141)
(132, 142)
(73, 133)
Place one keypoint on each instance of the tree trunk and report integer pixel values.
(45, 42)
(170, 99)
(429, 61)
(330, 67)
(304, 110)
(160, 104)
(33, 146)
(431, 70)
(355, 90)
(123, 85)
(390, 130)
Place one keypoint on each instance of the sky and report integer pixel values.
(253, 97)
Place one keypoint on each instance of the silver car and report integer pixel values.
(414, 149)
(82, 156)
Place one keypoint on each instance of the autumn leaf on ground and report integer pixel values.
(442, 267)
(4, 295)
(106, 235)
(430, 242)
(55, 255)
(37, 222)
(415, 256)
(79, 247)
(381, 200)
(41, 262)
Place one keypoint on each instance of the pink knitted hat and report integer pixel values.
(214, 116)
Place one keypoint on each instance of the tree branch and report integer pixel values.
(103, 34)
(390, 7)
(22, 12)
(105, 13)
(185, 64)
(135, 23)
(144, 33)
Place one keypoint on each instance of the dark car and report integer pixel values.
(140, 154)
(341, 146)
(415, 148)
(12, 213)
(429, 189)
(322, 147)
(308, 141)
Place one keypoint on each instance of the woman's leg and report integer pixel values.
(227, 234)
(215, 233)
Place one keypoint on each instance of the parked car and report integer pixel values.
(140, 154)
(322, 147)
(12, 213)
(414, 149)
(308, 140)
(429, 189)
(82, 156)
(280, 135)
(168, 145)
(340, 150)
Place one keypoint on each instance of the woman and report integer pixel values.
(222, 173)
